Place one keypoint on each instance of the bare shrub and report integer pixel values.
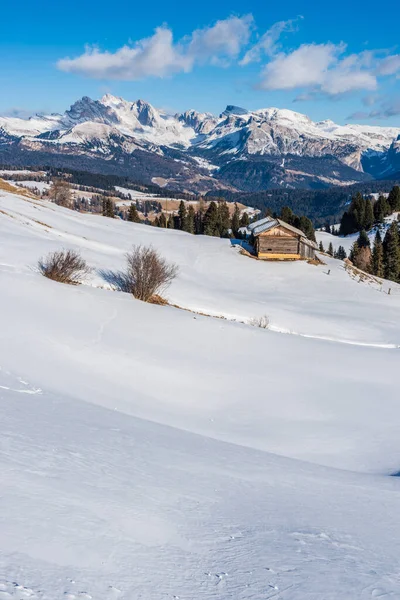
(147, 273)
(262, 322)
(64, 266)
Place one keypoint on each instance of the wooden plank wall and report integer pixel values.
(278, 245)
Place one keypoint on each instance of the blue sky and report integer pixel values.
(340, 62)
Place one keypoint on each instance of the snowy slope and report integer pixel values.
(149, 452)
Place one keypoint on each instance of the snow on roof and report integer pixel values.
(268, 223)
(256, 224)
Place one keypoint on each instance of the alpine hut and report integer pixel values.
(274, 239)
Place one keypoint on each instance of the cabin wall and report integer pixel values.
(277, 245)
(307, 251)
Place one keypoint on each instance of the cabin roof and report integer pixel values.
(268, 223)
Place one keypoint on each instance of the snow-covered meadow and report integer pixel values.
(151, 452)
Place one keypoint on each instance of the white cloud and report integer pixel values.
(155, 56)
(159, 56)
(389, 65)
(224, 40)
(267, 44)
(321, 68)
(388, 108)
(307, 66)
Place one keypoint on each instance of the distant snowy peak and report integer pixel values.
(283, 143)
(201, 123)
(234, 110)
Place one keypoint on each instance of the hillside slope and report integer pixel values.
(152, 452)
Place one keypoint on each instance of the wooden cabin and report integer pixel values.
(276, 240)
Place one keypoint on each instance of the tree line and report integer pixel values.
(363, 213)
(383, 258)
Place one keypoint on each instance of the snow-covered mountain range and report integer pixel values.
(199, 151)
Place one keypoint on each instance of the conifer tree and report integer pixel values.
(369, 215)
(108, 208)
(327, 228)
(321, 247)
(224, 220)
(357, 207)
(190, 219)
(363, 240)
(244, 220)
(211, 220)
(287, 215)
(341, 253)
(394, 198)
(162, 220)
(354, 251)
(306, 226)
(170, 222)
(377, 256)
(199, 218)
(182, 216)
(381, 210)
(330, 249)
(391, 253)
(133, 215)
(235, 221)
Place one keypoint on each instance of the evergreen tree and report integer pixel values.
(391, 253)
(108, 208)
(190, 219)
(330, 249)
(394, 198)
(287, 215)
(363, 240)
(170, 222)
(306, 226)
(235, 221)
(381, 209)
(354, 251)
(321, 247)
(162, 220)
(156, 222)
(224, 220)
(133, 215)
(199, 218)
(369, 215)
(211, 220)
(341, 253)
(347, 224)
(357, 208)
(244, 220)
(377, 256)
(182, 216)
(327, 228)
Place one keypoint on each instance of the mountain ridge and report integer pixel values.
(239, 149)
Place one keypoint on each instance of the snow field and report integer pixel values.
(150, 452)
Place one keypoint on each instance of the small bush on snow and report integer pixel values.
(262, 322)
(147, 273)
(64, 266)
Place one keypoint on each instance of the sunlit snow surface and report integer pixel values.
(149, 452)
